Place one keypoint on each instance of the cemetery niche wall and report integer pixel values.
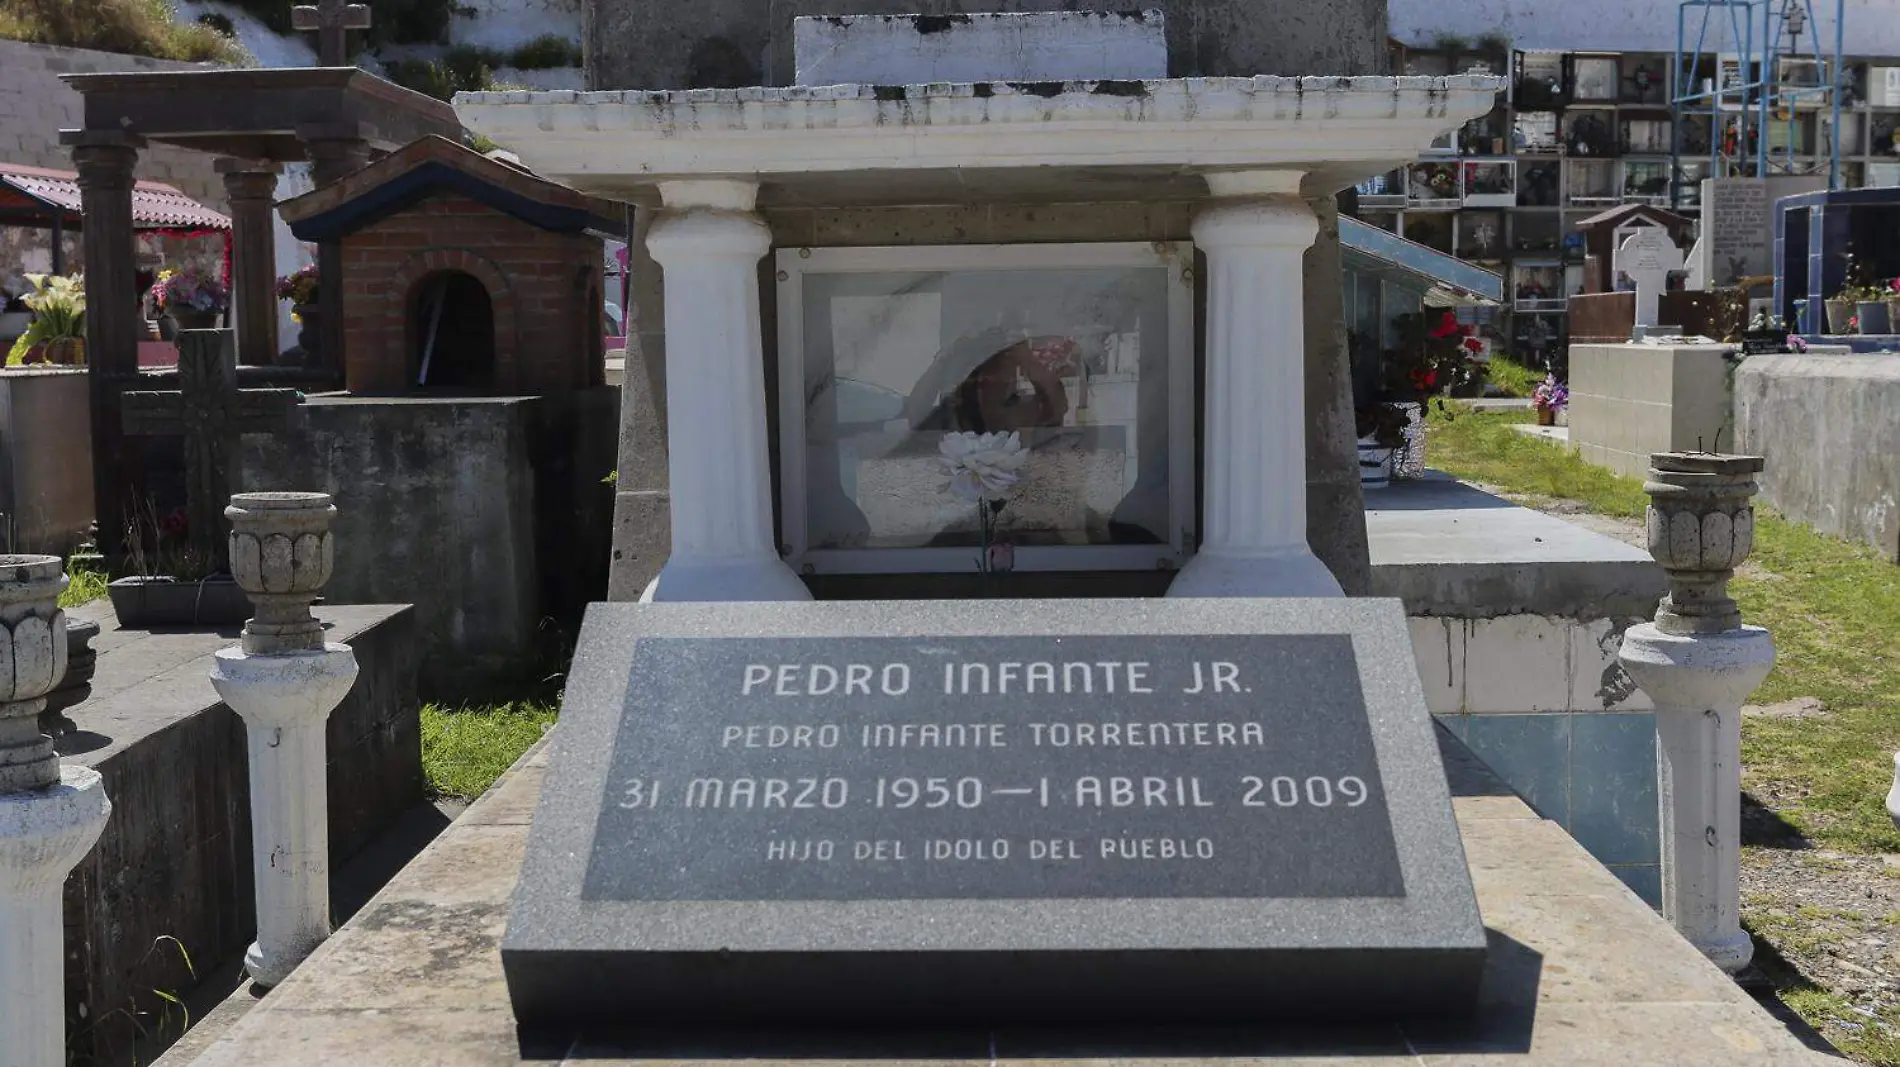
(473, 373)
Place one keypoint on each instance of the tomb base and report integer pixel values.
(489, 514)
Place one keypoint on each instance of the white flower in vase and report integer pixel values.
(983, 467)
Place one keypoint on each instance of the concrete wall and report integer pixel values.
(1826, 426)
(1627, 401)
(676, 44)
(488, 514)
(35, 105)
(1620, 25)
(45, 460)
(175, 858)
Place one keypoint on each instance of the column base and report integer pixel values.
(1290, 574)
(756, 579)
(270, 972)
(1730, 952)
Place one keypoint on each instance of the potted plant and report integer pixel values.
(171, 582)
(1870, 309)
(57, 332)
(1381, 429)
(1893, 304)
(300, 290)
(1549, 400)
(189, 297)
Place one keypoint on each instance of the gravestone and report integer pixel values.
(975, 812)
(1646, 257)
(1738, 223)
(209, 411)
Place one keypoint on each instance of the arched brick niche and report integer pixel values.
(415, 226)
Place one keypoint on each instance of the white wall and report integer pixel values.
(1873, 26)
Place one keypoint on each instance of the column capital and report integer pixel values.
(719, 194)
(103, 159)
(230, 165)
(1248, 183)
(699, 234)
(1268, 222)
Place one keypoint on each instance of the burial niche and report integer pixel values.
(453, 322)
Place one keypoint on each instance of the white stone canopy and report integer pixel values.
(1252, 151)
(864, 143)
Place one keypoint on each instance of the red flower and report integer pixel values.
(177, 523)
(1472, 344)
(1446, 326)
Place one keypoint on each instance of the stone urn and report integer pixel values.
(282, 553)
(1701, 526)
(32, 661)
(82, 661)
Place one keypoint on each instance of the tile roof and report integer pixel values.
(155, 206)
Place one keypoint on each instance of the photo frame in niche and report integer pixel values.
(1084, 352)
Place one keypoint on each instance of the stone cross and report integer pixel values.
(209, 411)
(331, 20)
(1647, 256)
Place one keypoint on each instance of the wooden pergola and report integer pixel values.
(335, 118)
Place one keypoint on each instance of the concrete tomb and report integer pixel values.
(961, 812)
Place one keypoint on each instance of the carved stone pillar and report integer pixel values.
(1698, 663)
(708, 243)
(251, 187)
(50, 816)
(113, 323)
(1253, 498)
(284, 681)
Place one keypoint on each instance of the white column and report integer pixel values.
(50, 816)
(1698, 663)
(283, 680)
(1253, 497)
(1698, 683)
(708, 242)
(284, 700)
(43, 836)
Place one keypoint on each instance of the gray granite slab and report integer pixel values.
(1142, 809)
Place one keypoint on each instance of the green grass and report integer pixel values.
(1482, 447)
(464, 749)
(130, 27)
(85, 586)
(1514, 378)
(1833, 606)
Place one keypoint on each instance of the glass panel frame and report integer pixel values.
(805, 272)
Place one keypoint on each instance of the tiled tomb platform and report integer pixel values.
(1516, 620)
(1580, 972)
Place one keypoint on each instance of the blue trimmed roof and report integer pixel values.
(410, 187)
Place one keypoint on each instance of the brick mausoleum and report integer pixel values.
(463, 273)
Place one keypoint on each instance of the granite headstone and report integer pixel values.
(992, 811)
